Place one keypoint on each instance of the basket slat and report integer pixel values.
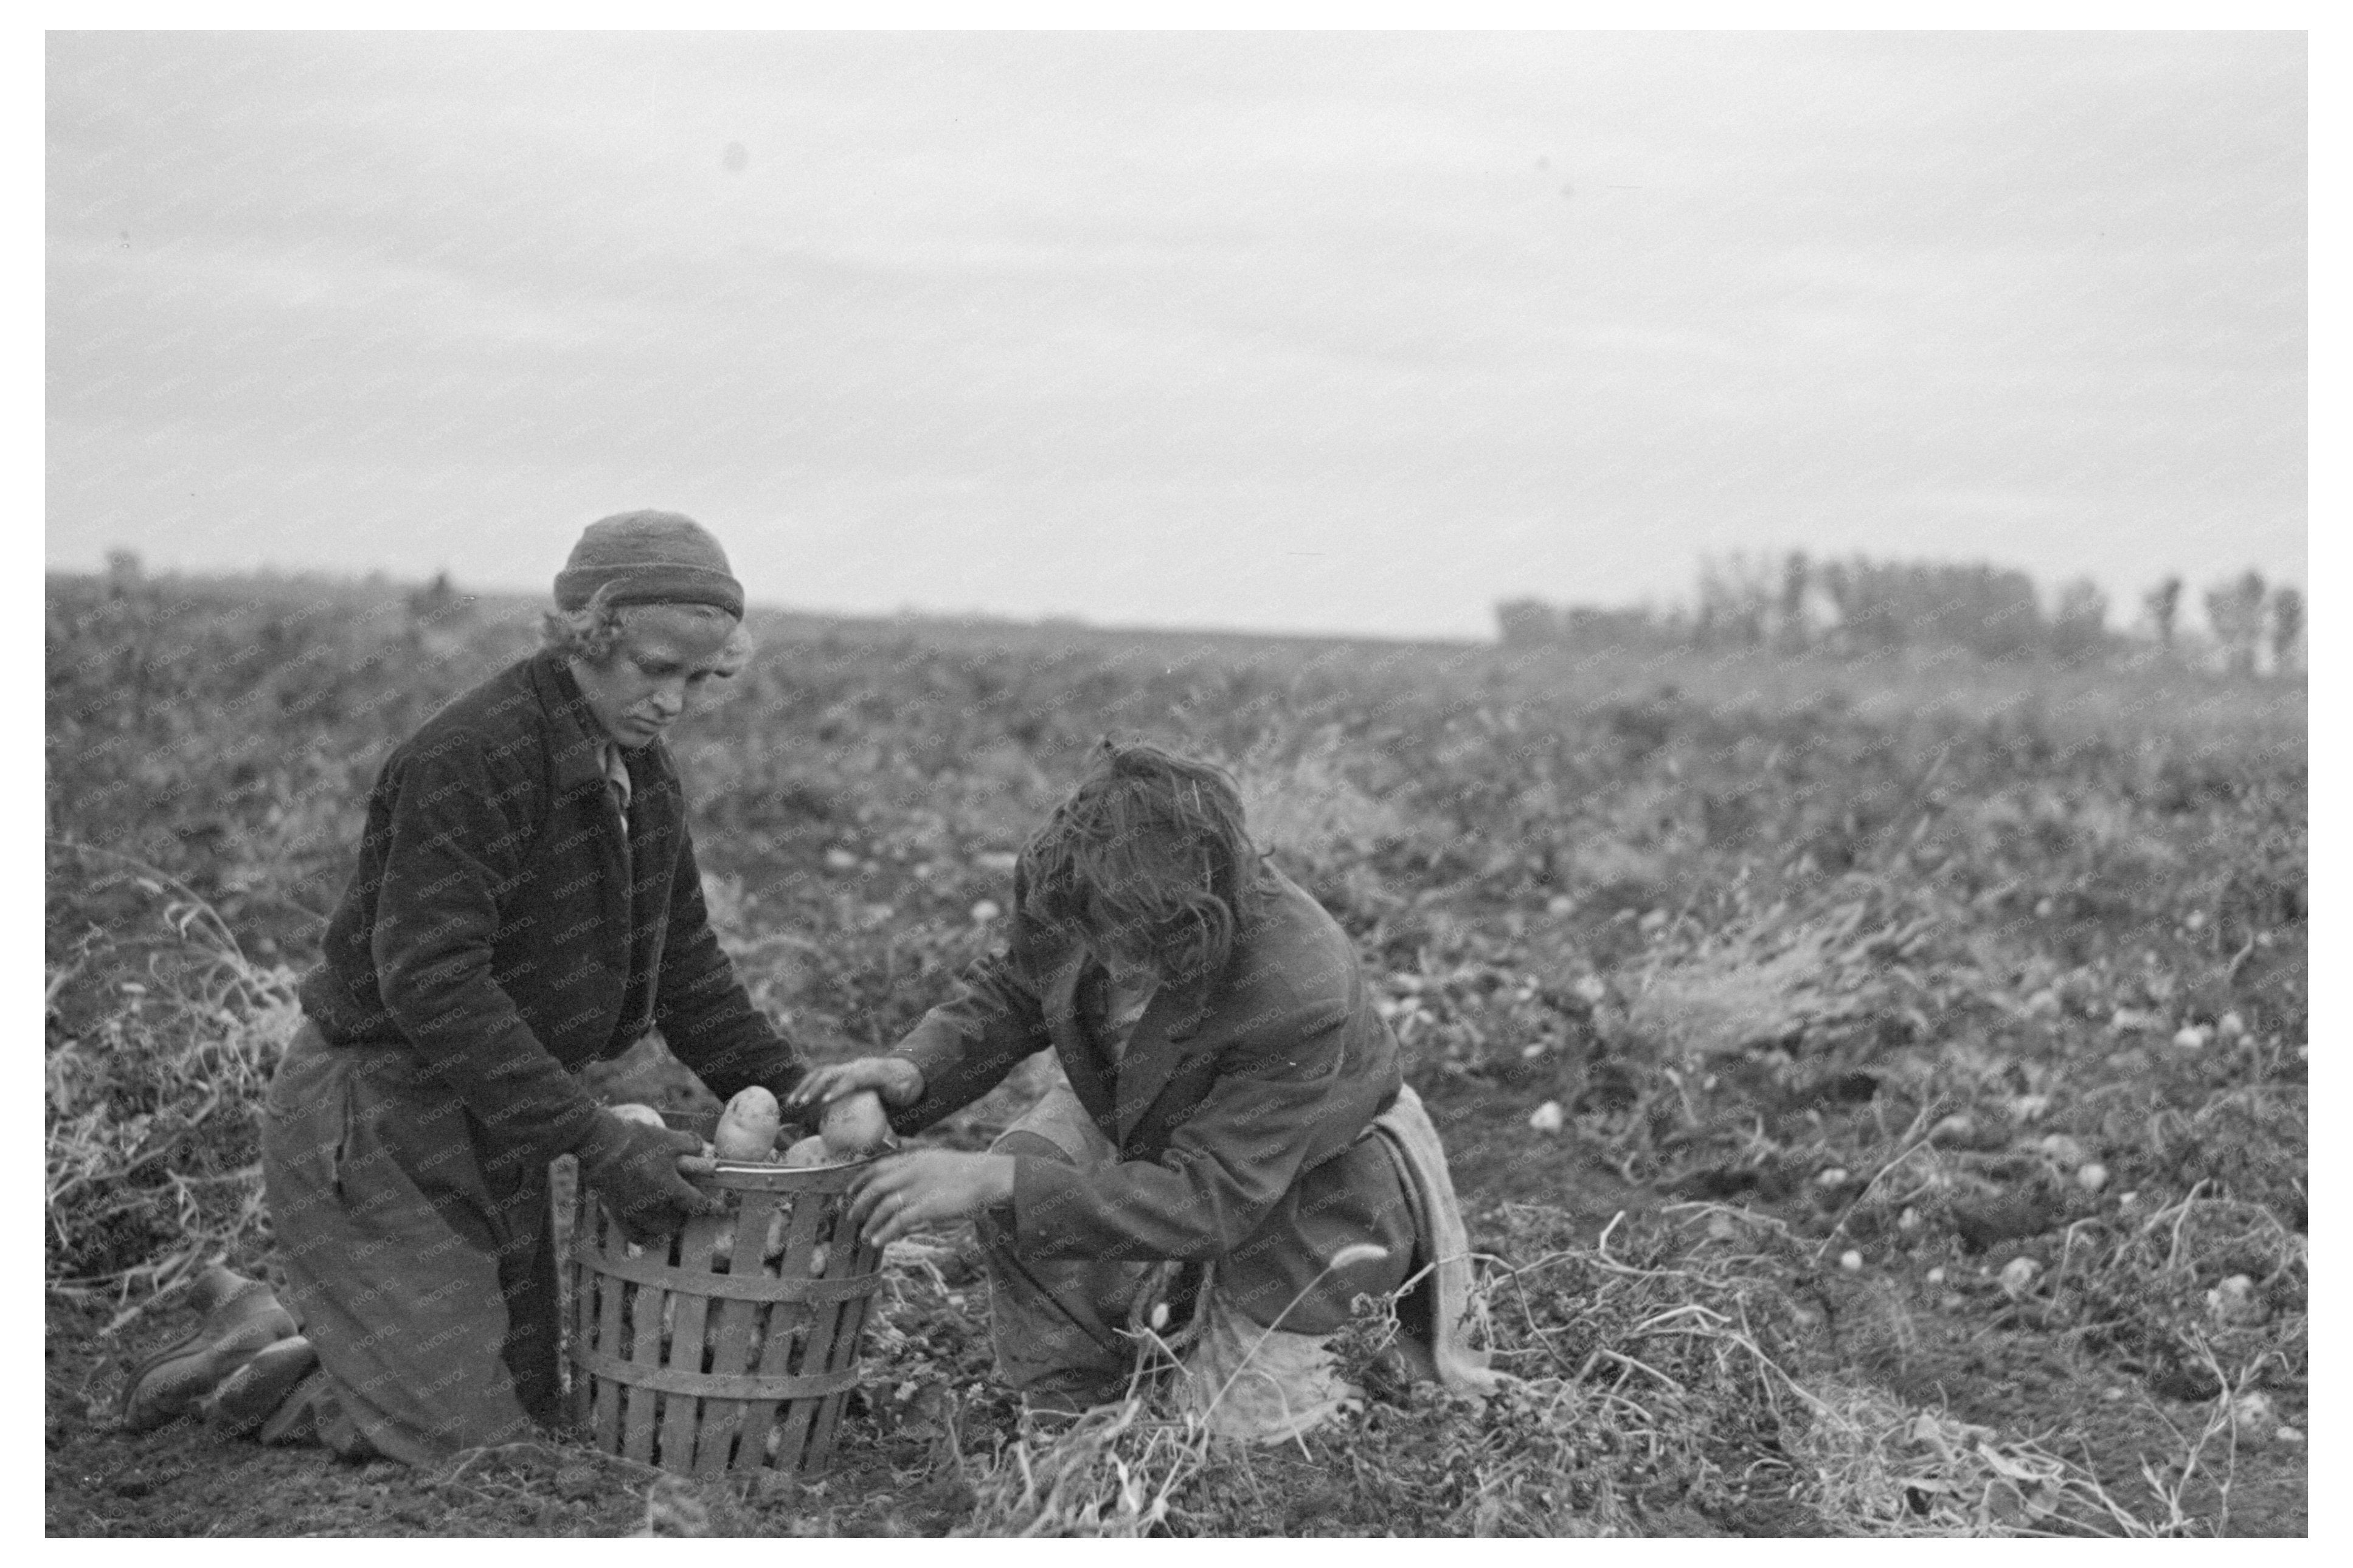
(697, 1241)
(822, 1421)
(837, 1330)
(731, 1337)
(671, 1380)
(580, 1309)
(608, 1291)
(645, 1270)
(783, 1322)
(838, 1320)
(793, 1423)
(648, 1305)
(813, 1224)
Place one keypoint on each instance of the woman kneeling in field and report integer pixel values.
(1233, 1142)
(525, 902)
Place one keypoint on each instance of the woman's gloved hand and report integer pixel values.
(641, 1172)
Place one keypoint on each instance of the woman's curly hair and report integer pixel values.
(1146, 861)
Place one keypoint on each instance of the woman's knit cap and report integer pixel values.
(649, 558)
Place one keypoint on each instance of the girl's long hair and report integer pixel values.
(1147, 861)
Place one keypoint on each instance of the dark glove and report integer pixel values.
(633, 1169)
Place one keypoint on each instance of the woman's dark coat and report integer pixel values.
(488, 925)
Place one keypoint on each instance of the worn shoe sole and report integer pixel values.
(247, 1397)
(168, 1384)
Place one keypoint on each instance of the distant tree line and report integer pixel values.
(1857, 606)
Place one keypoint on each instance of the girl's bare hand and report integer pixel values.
(895, 1079)
(929, 1187)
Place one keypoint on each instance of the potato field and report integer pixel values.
(1876, 1091)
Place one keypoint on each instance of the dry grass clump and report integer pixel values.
(2211, 1293)
(161, 1040)
(1772, 978)
(1878, 1468)
(1110, 1474)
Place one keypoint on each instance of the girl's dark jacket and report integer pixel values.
(1239, 1109)
(488, 925)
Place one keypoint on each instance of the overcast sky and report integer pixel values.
(1321, 332)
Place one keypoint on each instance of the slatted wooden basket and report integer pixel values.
(730, 1352)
